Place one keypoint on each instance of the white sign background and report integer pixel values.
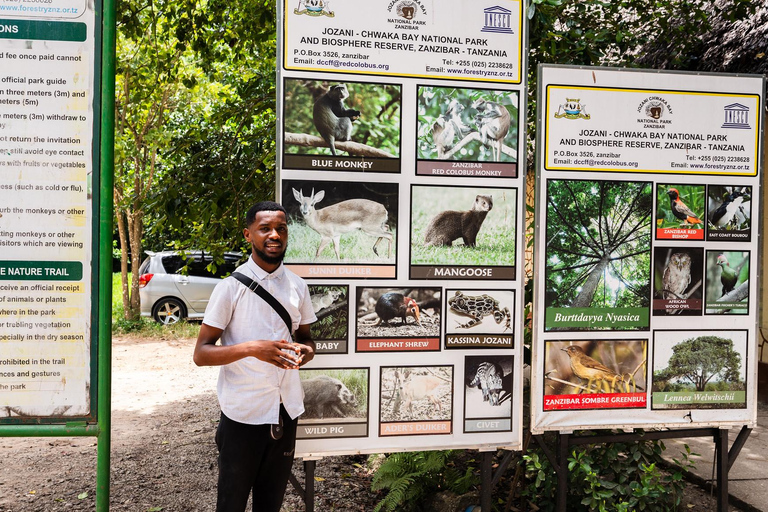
(616, 109)
(409, 69)
(46, 148)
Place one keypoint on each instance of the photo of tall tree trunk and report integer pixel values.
(598, 252)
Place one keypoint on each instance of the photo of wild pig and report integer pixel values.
(337, 393)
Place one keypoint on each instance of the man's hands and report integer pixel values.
(281, 353)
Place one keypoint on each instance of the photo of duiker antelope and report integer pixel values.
(417, 393)
(365, 215)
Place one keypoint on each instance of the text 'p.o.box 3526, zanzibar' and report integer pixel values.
(47, 58)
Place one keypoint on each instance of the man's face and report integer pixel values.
(268, 236)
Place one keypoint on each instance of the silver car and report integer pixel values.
(172, 286)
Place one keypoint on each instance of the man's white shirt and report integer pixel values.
(250, 390)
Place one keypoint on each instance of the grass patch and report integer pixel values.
(354, 247)
(144, 327)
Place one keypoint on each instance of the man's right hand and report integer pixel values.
(279, 353)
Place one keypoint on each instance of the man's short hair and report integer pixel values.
(262, 206)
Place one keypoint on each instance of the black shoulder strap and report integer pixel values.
(268, 298)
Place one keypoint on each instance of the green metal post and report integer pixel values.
(105, 254)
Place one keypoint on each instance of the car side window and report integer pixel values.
(198, 266)
(172, 264)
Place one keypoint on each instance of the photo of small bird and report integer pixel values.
(589, 369)
(679, 208)
(728, 276)
(724, 213)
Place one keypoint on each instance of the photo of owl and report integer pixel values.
(677, 276)
(678, 281)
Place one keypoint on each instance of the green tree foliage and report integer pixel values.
(598, 239)
(704, 359)
(194, 125)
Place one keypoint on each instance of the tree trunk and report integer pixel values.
(135, 232)
(126, 296)
(584, 299)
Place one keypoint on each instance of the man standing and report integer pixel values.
(259, 391)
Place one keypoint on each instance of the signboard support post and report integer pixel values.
(308, 491)
(724, 458)
(486, 481)
(106, 213)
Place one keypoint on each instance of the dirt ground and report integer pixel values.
(163, 454)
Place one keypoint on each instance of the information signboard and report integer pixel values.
(646, 250)
(399, 142)
(47, 132)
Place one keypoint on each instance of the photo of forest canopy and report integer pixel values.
(598, 245)
(475, 125)
(376, 129)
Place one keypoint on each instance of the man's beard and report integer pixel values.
(272, 260)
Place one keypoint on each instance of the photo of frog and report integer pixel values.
(479, 318)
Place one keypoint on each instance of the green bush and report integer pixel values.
(410, 477)
(609, 477)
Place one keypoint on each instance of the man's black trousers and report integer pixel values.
(249, 459)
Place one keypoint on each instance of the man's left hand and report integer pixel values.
(307, 353)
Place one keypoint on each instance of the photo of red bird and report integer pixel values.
(680, 210)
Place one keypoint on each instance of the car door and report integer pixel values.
(197, 284)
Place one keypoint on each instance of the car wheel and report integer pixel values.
(168, 311)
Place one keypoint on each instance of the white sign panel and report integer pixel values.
(406, 216)
(647, 130)
(646, 249)
(46, 145)
(478, 41)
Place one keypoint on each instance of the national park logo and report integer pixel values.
(654, 109)
(314, 8)
(407, 12)
(573, 108)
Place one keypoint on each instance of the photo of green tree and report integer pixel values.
(475, 125)
(370, 118)
(598, 255)
(699, 370)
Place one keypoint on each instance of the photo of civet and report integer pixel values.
(326, 120)
(469, 125)
(454, 227)
(598, 255)
(332, 222)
